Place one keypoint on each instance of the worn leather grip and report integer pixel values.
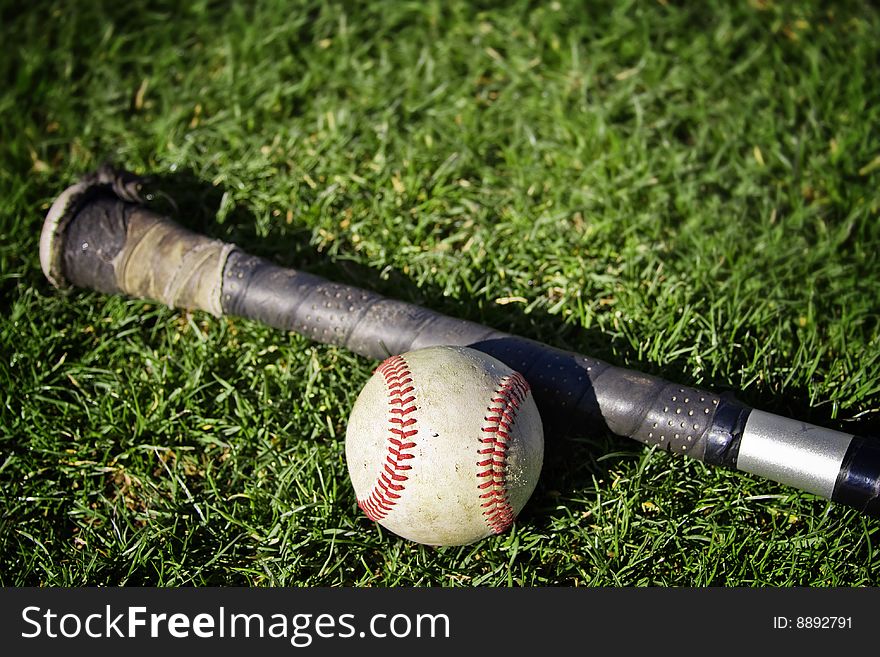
(116, 246)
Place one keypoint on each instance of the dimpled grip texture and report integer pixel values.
(573, 392)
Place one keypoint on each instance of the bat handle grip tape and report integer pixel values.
(101, 235)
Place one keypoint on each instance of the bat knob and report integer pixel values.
(126, 185)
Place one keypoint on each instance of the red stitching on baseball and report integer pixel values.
(506, 402)
(390, 483)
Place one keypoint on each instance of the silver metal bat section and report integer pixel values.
(792, 452)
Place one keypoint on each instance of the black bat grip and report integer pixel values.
(574, 393)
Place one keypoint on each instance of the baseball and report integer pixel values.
(444, 445)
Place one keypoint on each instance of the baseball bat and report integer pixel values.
(101, 234)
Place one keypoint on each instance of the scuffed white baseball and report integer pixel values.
(444, 445)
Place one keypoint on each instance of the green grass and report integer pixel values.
(687, 191)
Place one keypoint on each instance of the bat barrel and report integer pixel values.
(99, 234)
